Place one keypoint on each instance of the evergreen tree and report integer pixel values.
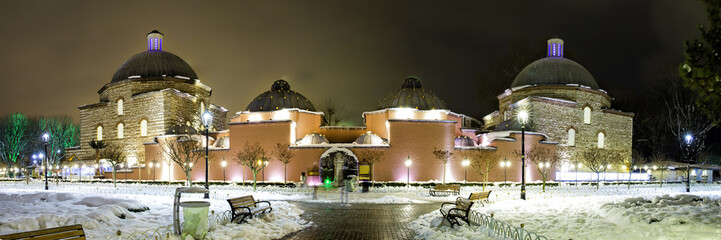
(702, 69)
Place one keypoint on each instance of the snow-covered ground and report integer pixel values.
(612, 212)
(644, 211)
(129, 209)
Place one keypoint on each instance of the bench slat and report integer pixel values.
(50, 233)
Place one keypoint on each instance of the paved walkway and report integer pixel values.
(360, 220)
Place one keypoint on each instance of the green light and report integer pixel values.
(327, 181)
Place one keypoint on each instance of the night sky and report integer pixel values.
(56, 55)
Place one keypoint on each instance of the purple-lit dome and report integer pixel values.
(412, 95)
(154, 63)
(554, 70)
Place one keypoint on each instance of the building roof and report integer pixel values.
(412, 95)
(513, 125)
(554, 70)
(279, 97)
(154, 64)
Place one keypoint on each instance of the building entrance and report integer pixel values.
(336, 164)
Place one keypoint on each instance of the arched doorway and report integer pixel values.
(337, 163)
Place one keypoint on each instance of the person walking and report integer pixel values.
(349, 186)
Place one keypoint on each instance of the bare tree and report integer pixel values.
(185, 151)
(545, 160)
(482, 161)
(371, 157)
(115, 156)
(332, 111)
(660, 163)
(252, 156)
(443, 156)
(97, 145)
(597, 160)
(283, 154)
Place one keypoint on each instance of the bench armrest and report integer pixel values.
(257, 202)
(458, 210)
(451, 203)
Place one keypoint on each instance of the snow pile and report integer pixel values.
(433, 226)
(284, 219)
(38, 210)
(685, 216)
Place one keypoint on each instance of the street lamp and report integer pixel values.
(408, 168)
(223, 164)
(207, 117)
(465, 164)
(523, 119)
(689, 140)
(46, 139)
(505, 165)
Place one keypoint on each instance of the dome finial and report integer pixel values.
(555, 47)
(155, 41)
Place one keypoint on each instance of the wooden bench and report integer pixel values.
(460, 210)
(246, 207)
(445, 189)
(481, 197)
(66, 232)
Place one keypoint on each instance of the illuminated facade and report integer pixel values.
(155, 96)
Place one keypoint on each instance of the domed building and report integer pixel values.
(566, 104)
(149, 94)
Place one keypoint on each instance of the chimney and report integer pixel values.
(155, 41)
(555, 47)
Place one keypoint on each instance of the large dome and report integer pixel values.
(154, 64)
(412, 95)
(554, 71)
(280, 96)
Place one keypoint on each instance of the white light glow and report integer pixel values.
(282, 114)
(404, 113)
(255, 117)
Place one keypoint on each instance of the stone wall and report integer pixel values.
(141, 101)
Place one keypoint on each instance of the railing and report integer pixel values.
(500, 229)
(160, 233)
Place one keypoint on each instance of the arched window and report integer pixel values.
(571, 137)
(601, 139)
(120, 106)
(587, 115)
(143, 128)
(202, 108)
(120, 130)
(100, 133)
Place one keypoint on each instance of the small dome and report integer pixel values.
(181, 129)
(279, 97)
(369, 138)
(554, 71)
(313, 138)
(412, 95)
(464, 141)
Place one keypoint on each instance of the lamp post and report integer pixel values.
(465, 164)
(207, 117)
(505, 165)
(46, 138)
(689, 140)
(223, 164)
(408, 168)
(523, 118)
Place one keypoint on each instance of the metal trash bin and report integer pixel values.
(366, 186)
(195, 219)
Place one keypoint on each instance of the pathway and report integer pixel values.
(360, 220)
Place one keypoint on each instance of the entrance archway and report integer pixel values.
(337, 163)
